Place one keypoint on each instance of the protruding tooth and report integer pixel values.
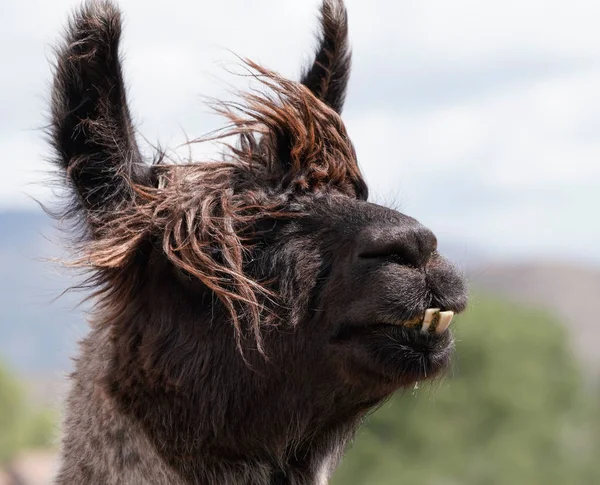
(430, 315)
(445, 320)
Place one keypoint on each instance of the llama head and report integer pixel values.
(259, 304)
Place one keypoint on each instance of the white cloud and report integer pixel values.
(439, 30)
(24, 180)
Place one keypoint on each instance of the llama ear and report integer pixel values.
(91, 128)
(328, 76)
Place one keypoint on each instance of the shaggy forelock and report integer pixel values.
(203, 214)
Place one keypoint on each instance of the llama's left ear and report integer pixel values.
(91, 127)
(328, 76)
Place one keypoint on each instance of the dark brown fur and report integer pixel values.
(243, 307)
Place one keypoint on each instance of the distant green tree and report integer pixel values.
(591, 446)
(512, 411)
(20, 425)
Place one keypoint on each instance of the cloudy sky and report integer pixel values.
(482, 119)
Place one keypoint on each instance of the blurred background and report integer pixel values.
(480, 119)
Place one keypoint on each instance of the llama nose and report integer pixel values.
(409, 244)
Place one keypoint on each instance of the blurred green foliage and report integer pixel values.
(512, 411)
(21, 426)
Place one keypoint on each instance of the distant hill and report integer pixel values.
(571, 292)
(37, 334)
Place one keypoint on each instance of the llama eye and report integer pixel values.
(215, 252)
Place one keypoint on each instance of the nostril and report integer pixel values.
(387, 250)
(412, 246)
(427, 242)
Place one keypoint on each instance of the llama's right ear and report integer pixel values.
(91, 128)
(328, 76)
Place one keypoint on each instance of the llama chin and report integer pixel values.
(250, 312)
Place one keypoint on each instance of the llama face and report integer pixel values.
(358, 282)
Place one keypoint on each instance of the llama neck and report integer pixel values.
(102, 444)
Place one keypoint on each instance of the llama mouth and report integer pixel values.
(432, 323)
(434, 320)
(404, 351)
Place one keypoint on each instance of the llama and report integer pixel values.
(249, 312)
